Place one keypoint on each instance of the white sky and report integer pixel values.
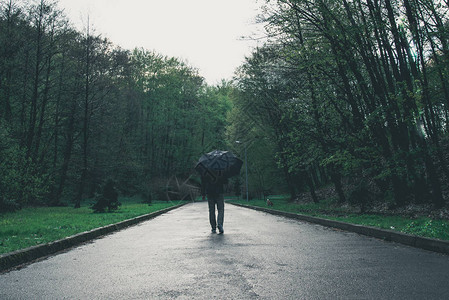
(205, 33)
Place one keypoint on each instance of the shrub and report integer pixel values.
(108, 199)
(21, 183)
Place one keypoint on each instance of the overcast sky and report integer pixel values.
(205, 33)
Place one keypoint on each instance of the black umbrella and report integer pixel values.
(219, 164)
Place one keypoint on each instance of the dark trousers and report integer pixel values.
(219, 201)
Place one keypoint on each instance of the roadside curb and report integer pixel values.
(430, 244)
(23, 256)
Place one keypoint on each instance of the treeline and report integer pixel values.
(354, 93)
(76, 110)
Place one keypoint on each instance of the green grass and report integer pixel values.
(422, 226)
(34, 226)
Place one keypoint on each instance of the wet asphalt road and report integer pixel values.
(260, 256)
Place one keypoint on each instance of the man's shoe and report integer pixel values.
(214, 230)
(220, 229)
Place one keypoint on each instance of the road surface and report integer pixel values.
(260, 256)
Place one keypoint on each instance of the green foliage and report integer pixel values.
(338, 90)
(33, 226)
(20, 185)
(429, 228)
(236, 184)
(422, 226)
(108, 198)
(344, 95)
(83, 110)
(343, 160)
(9, 175)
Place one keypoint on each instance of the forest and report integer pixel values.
(76, 110)
(352, 94)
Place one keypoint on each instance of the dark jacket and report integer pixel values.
(212, 187)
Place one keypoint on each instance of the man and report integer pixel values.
(212, 187)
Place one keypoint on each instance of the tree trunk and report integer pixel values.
(85, 130)
(336, 179)
(311, 186)
(70, 135)
(36, 80)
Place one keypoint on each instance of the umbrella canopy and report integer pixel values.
(219, 164)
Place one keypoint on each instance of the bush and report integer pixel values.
(21, 183)
(360, 195)
(108, 199)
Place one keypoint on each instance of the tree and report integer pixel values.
(76, 109)
(351, 87)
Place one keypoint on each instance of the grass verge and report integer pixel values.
(422, 226)
(33, 226)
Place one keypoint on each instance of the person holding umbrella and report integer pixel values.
(213, 189)
(215, 168)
